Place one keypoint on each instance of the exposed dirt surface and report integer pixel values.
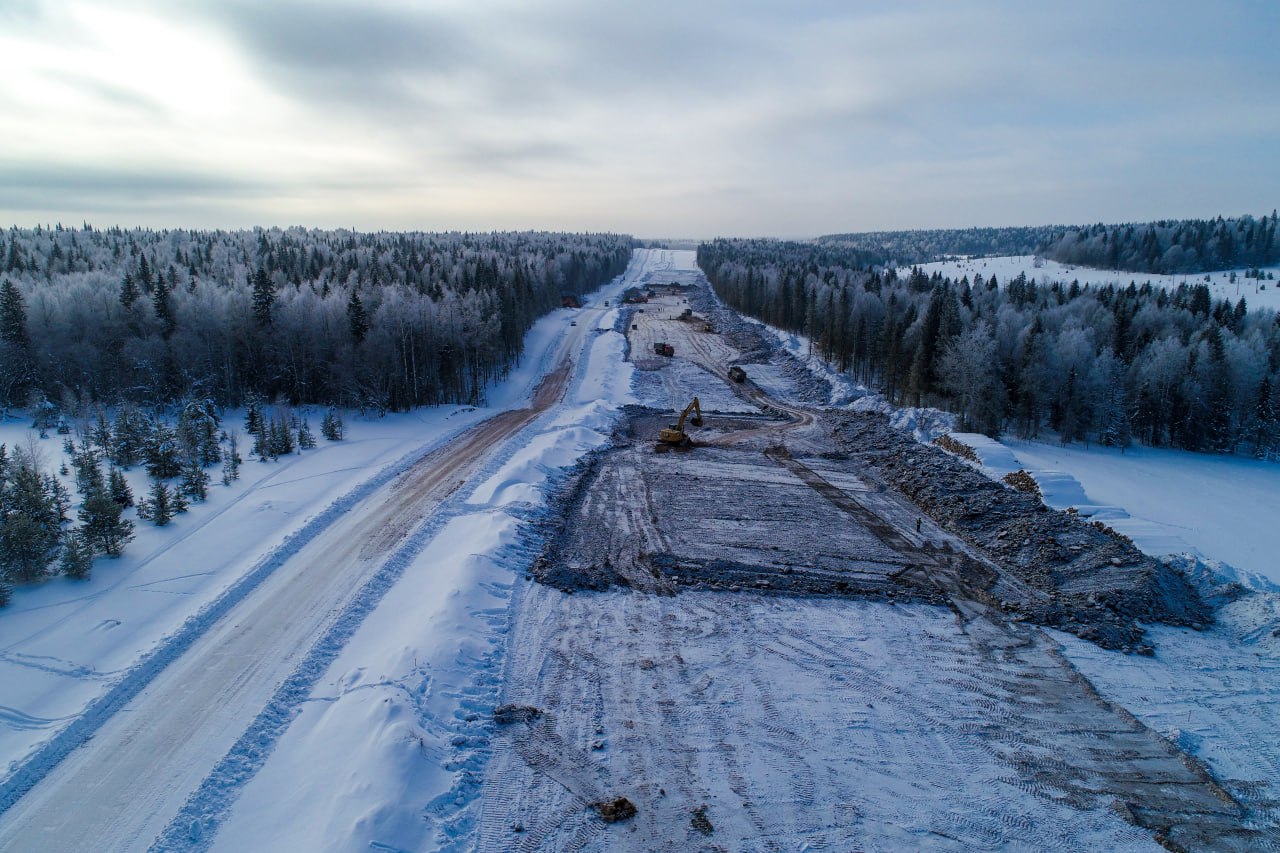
(823, 723)
(808, 631)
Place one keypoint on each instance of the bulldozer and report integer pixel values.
(674, 435)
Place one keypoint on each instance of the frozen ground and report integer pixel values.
(1258, 294)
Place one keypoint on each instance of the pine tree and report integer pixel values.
(231, 460)
(357, 317)
(129, 437)
(163, 310)
(158, 507)
(1266, 421)
(101, 433)
(253, 420)
(195, 481)
(306, 439)
(332, 427)
(129, 292)
(13, 317)
(264, 297)
(76, 560)
(162, 458)
(119, 488)
(281, 437)
(32, 517)
(103, 526)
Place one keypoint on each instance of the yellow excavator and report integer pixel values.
(674, 435)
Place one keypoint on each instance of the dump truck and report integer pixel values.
(737, 374)
(661, 348)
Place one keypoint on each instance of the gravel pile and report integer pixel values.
(1089, 581)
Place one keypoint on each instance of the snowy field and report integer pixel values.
(1167, 501)
(1258, 294)
(63, 641)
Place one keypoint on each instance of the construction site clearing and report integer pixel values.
(872, 599)
(801, 500)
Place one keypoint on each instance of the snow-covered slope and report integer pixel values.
(1257, 293)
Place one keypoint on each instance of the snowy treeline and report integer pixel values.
(896, 248)
(1192, 245)
(385, 320)
(1165, 367)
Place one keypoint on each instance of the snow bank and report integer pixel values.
(389, 715)
(75, 651)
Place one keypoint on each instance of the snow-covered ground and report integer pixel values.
(1257, 293)
(389, 739)
(64, 645)
(397, 724)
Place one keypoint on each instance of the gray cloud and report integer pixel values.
(757, 117)
(49, 186)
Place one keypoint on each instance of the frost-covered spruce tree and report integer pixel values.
(332, 427)
(76, 559)
(162, 457)
(195, 481)
(102, 523)
(30, 519)
(281, 436)
(101, 433)
(158, 506)
(306, 439)
(129, 436)
(198, 431)
(253, 421)
(231, 460)
(119, 488)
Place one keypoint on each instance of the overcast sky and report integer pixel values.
(654, 118)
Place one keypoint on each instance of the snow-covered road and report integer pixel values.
(118, 791)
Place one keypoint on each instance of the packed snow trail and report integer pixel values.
(118, 791)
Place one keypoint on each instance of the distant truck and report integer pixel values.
(737, 374)
(662, 348)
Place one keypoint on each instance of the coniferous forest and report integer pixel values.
(1167, 246)
(1111, 365)
(386, 321)
(140, 337)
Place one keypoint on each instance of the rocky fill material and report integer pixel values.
(1082, 579)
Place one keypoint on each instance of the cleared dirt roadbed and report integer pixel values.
(834, 723)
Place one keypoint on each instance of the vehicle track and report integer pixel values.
(114, 795)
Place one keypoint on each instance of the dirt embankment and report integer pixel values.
(1085, 580)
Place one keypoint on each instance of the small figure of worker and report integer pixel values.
(917, 524)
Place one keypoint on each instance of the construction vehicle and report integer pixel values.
(661, 348)
(707, 327)
(687, 314)
(737, 374)
(674, 435)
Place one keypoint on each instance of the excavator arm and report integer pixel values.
(697, 418)
(675, 435)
